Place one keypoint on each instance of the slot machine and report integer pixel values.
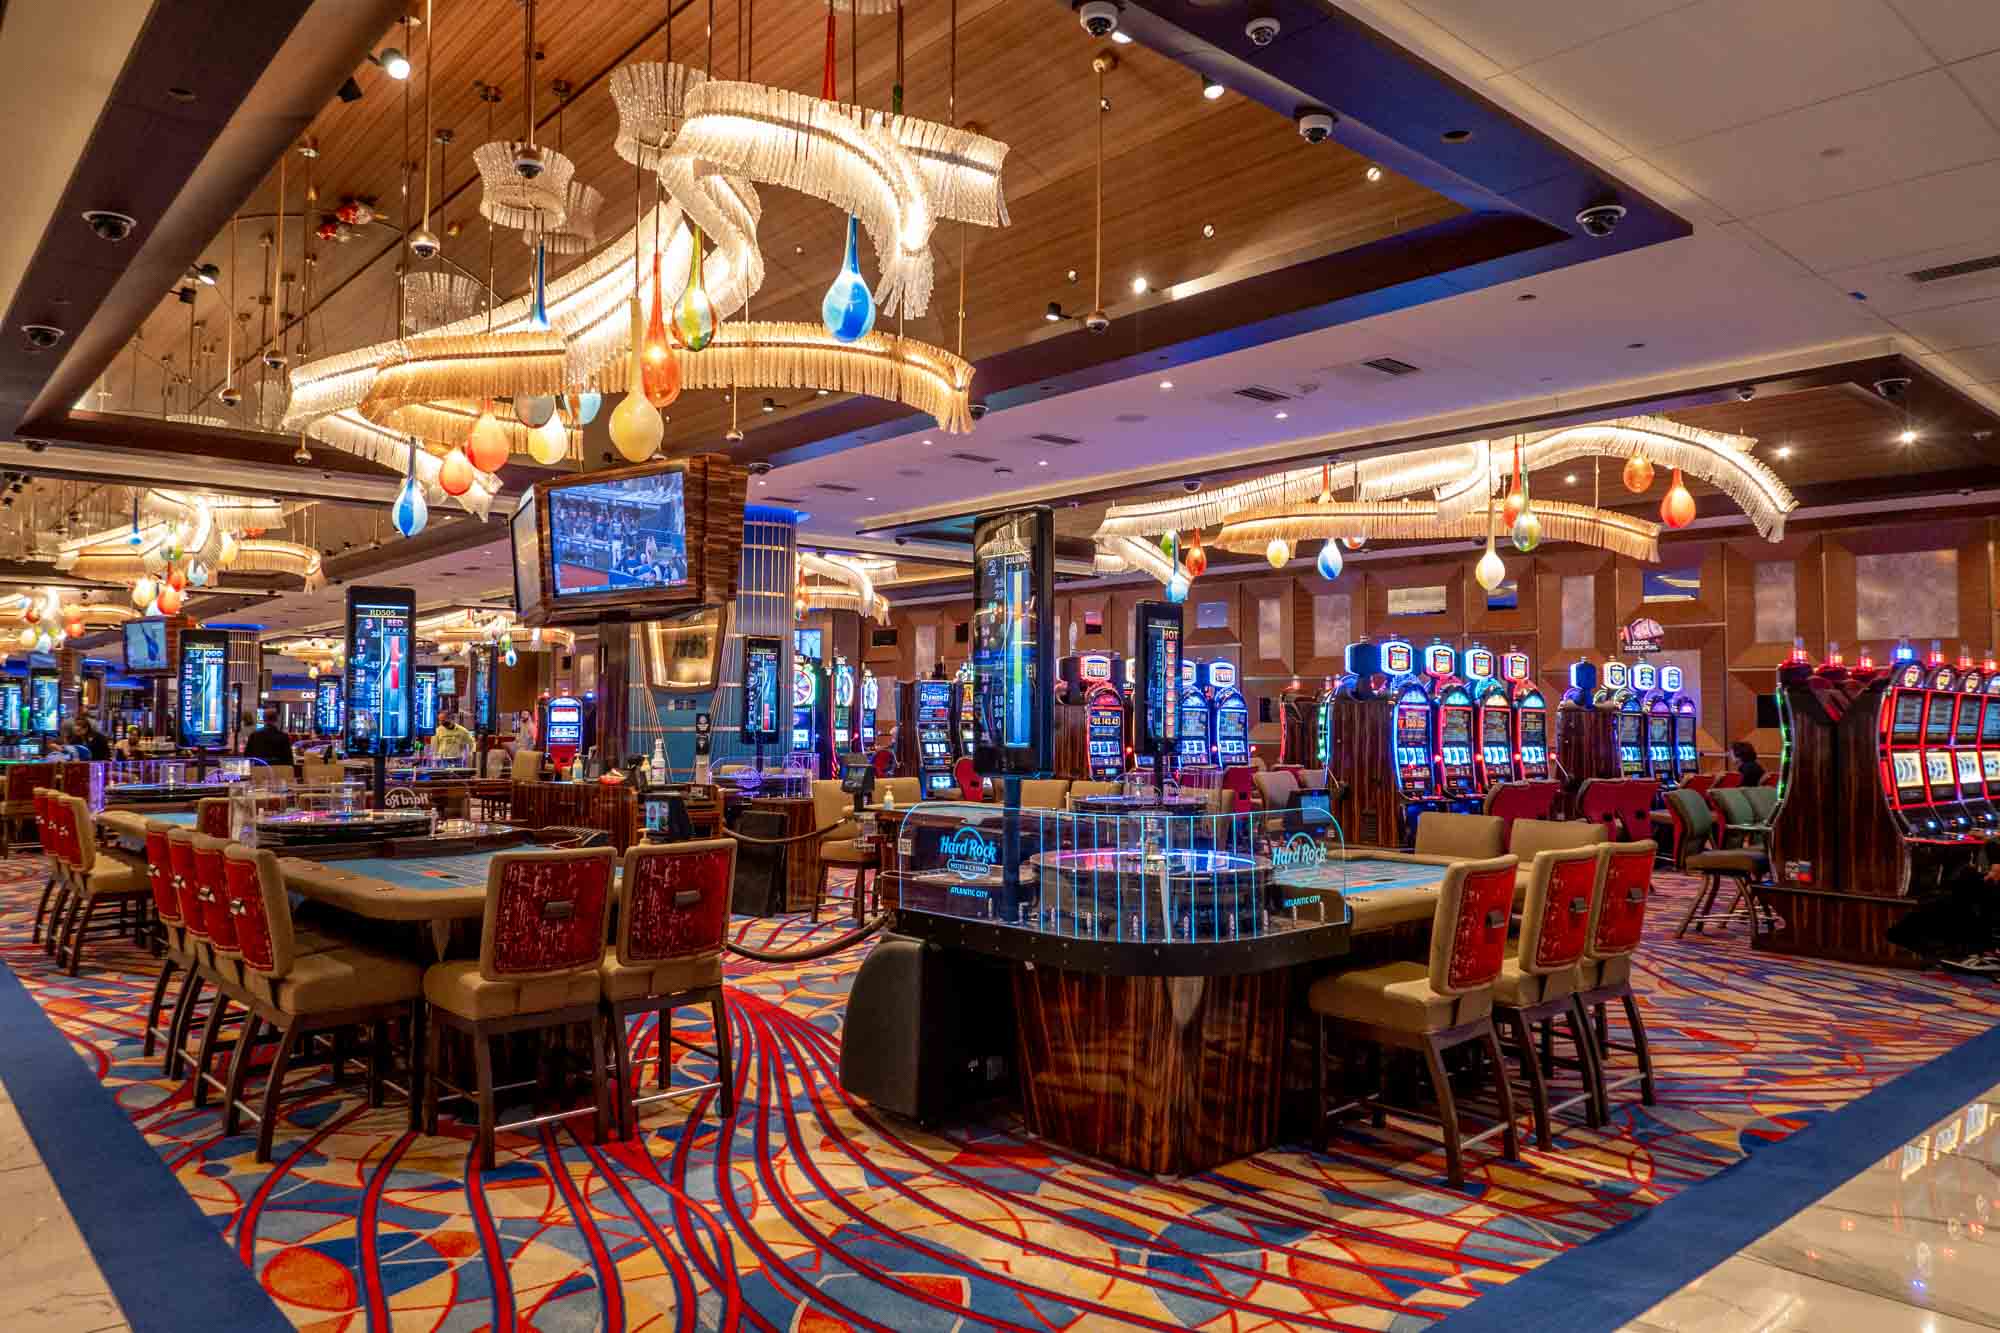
(871, 697)
(1196, 746)
(1989, 735)
(1965, 752)
(1322, 747)
(931, 714)
(1531, 717)
(1229, 713)
(843, 706)
(1899, 736)
(965, 717)
(565, 730)
(1684, 720)
(1097, 680)
(1631, 719)
(1452, 718)
(1940, 776)
(1411, 731)
(1659, 726)
(1493, 712)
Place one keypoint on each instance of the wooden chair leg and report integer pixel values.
(159, 1002)
(1454, 1164)
(59, 924)
(1510, 1139)
(267, 1128)
(1592, 1060)
(1648, 1093)
(663, 1047)
(482, 1064)
(1531, 1069)
(217, 1008)
(78, 932)
(58, 908)
(177, 1029)
(42, 910)
(433, 1054)
(725, 1056)
(1319, 1084)
(378, 1059)
(819, 889)
(419, 1077)
(239, 1071)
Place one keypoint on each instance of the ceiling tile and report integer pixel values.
(1978, 364)
(1953, 29)
(1981, 78)
(1718, 63)
(1521, 31)
(1890, 292)
(1896, 131)
(1949, 328)
(1953, 208)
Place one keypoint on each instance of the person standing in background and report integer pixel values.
(1746, 763)
(269, 744)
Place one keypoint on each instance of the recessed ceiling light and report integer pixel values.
(1282, 415)
(1122, 38)
(1456, 136)
(1373, 173)
(1166, 384)
(1908, 437)
(1633, 347)
(1784, 451)
(1208, 231)
(871, 499)
(1139, 285)
(927, 444)
(1569, 478)
(1041, 462)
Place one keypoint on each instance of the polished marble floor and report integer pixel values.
(48, 1281)
(1910, 1245)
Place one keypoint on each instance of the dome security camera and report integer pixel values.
(41, 337)
(1098, 17)
(1600, 220)
(1315, 124)
(111, 226)
(1262, 29)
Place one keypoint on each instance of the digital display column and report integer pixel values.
(1158, 706)
(484, 661)
(761, 660)
(327, 706)
(426, 705)
(13, 723)
(380, 673)
(204, 688)
(1013, 586)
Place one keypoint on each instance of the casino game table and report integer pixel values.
(1381, 888)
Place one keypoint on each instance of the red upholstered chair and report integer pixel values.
(1700, 782)
(53, 886)
(296, 989)
(52, 831)
(1509, 801)
(1617, 925)
(673, 913)
(177, 948)
(884, 762)
(1636, 797)
(1238, 781)
(1730, 779)
(95, 882)
(1770, 779)
(19, 805)
(967, 777)
(541, 950)
(224, 957)
(1538, 982)
(1599, 801)
(211, 816)
(1430, 1007)
(75, 779)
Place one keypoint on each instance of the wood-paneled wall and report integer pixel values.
(1716, 630)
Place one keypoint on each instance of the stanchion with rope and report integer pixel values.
(879, 922)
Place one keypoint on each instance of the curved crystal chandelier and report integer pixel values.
(438, 296)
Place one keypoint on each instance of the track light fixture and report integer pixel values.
(394, 63)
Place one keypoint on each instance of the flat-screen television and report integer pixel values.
(617, 536)
(329, 706)
(447, 680)
(762, 660)
(380, 670)
(523, 530)
(145, 645)
(204, 688)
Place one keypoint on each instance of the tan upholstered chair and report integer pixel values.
(673, 913)
(906, 792)
(1045, 794)
(1460, 837)
(1431, 1007)
(495, 763)
(527, 766)
(541, 955)
(1538, 982)
(1531, 837)
(1079, 791)
(317, 774)
(1743, 865)
(1617, 925)
(297, 988)
(95, 882)
(1276, 787)
(838, 849)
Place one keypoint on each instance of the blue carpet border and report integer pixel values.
(1620, 1275)
(162, 1256)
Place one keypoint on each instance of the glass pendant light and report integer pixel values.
(535, 408)
(1177, 587)
(144, 591)
(636, 425)
(411, 511)
(1677, 509)
(1638, 474)
(135, 538)
(229, 550)
(455, 473)
(1526, 529)
(1517, 496)
(488, 448)
(1330, 563)
(694, 317)
(848, 311)
(585, 406)
(169, 600)
(1196, 558)
(1279, 552)
(548, 444)
(1491, 571)
(663, 371)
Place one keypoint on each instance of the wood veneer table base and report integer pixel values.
(1843, 927)
(1168, 1075)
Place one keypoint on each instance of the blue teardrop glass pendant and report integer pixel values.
(538, 312)
(588, 404)
(411, 511)
(849, 308)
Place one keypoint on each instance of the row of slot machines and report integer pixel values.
(1938, 744)
(833, 706)
(1656, 717)
(1212, 718)
(1461, 722)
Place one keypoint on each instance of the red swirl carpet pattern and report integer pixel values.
(809, 1210)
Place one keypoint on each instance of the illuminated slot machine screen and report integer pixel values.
(564, 737)
(1659, 741)
(1194, 739)
(805, 693)
(935, 749)
(1413, 747)
(1937, 720)
(1631, 759)
(1232, 733)
(1534, 742)
(843, 704)
(1966, 730)
(1105, 720)
(1496, 741)
(204, 688)
(1970, 779)
(44, 702)
(1908, 773)
(1989, 746)
(1907, 721)
(1937, 772)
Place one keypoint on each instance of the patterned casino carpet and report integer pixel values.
(810, 1211)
